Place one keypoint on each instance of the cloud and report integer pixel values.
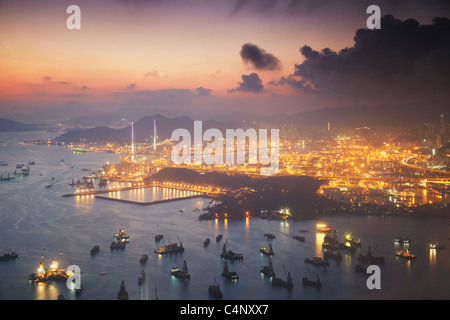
(131, 86)
(250, 83)
(259, 57)
(403, 58)
(203, 92)
(47, 78)
(64, 82)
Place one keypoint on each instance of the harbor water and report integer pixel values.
(36, 221)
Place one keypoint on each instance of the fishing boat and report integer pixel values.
(214, 290)
(180, 272)
(267, 251)
(230, 275)
(317, 261)
(268, 270)
(405, 254)
(141, 277)
(95, 250)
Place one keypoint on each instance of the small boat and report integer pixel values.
(206, 242)
(331, 255)
(230, 275)
(267, 251)
(317, 261)
(402, 240)
(405, 254)
(219, 237)
(278, 282)
(355, 242)
(308, 282)
(268, 270)
(214, 290)
(143, 258)
(158, 237)
(180, 272)
(269, 235)
(95, 250)
(49, 185)
(436, 246)
(299, 238)
(141, 277)
(347, 247)
(9, 256)
(117, 245)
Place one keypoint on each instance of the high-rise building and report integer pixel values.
(441, 137)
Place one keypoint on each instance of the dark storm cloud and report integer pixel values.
(259, 57)
(402, 57)
(250, 83)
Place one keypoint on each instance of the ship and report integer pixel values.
(267, 251)
(268, 270)
(158, 237)
(180, 272)
(402, 240)
(219, 237)
(95, 250)
(355, 242)
(317, 261)
(230, 275)
(331, 255)
(278, 282)
(143, 258)
(347, 247)
(122, 294)
(53, 274)
(269, 235)
(308, 282)
(436, 246)
(122, 236)
(170, 248)
(299, 238)
(369, 258)
(405, 254)
(214, 290)
(117, 245)
(230, 255)
(9, 256)
(206, 242)
(141, 277)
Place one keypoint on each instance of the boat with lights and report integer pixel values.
(405, 254)
(52, 274)
(170, 248)
(230, 275)
(180, 272)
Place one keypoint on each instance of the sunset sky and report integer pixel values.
(197, 57)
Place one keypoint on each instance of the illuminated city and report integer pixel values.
(272, 151)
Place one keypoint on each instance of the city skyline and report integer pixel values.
(210, 58)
